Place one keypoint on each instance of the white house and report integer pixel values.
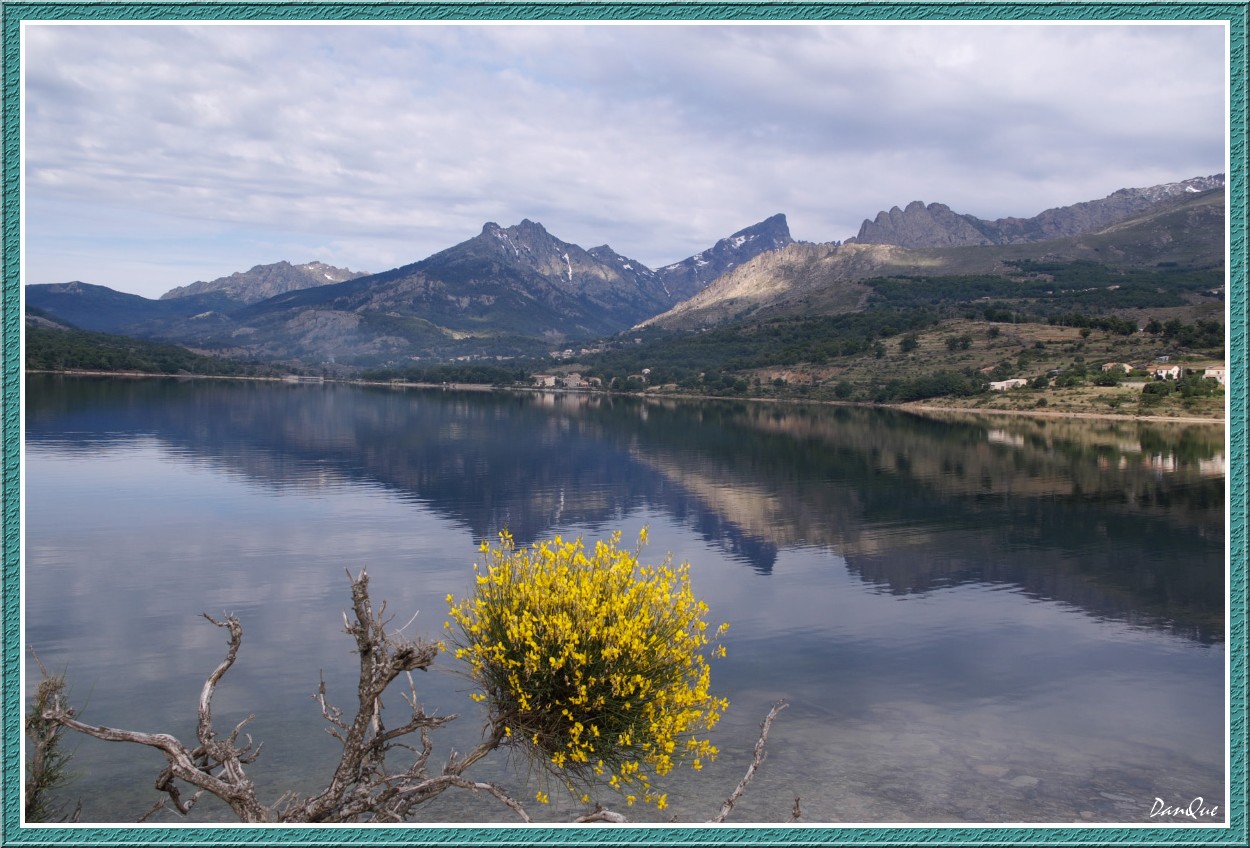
(1217, 372)
(1172, 372)
(1004, 385)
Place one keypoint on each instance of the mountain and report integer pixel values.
(935, 225)
(518, 279)
(527, 278)
(821, 277)
(493, 292)
(506, 291)
(105, 310)
(519, 290)
(685, 278)
(102, 309)
(1184, 231)
(265, 281)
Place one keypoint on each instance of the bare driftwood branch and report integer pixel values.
(600, 814)
(364, 785)
(214, 766)
(758, 758)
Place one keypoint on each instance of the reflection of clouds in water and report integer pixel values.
(885, 687)
(919, 632)
(184, 540)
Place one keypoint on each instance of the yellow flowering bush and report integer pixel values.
(592, 663)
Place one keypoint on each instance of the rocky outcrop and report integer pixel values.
(918, 225)
(265, 281)
(687, 277)
(799, 278)
(935, 225)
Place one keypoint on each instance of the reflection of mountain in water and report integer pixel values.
(1069, 510)
(488, 460)
(1122, 520)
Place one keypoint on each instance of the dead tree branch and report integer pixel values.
(364, 785)
(600, 814)
(214, 766)
(755, 764)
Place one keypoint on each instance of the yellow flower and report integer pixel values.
(570, 646)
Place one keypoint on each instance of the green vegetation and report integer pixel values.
(468, 373)
(65, 350)
(592, 664)
(1186, 388)
(596, 666)
(947, 337)
(918, 338)
(47, 767)
(937, 384)
(1202, 334)
(710, 361)
(1044, 289)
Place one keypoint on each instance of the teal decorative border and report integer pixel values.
(14, 12)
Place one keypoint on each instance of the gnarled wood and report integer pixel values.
(363, 787)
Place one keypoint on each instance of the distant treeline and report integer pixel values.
(1045, 289)
(717, 361)
(468, 373)
(937, 384)
(707, 360)
(65, 350)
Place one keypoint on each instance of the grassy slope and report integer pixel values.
(1063, 347)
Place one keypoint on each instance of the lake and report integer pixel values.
(973, 619)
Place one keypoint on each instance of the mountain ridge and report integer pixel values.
(685, 278)
(520, 290)
(264, 281)
(1182, 230)
(517, 283)
(936, 225)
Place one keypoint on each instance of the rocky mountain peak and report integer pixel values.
(936, 225)
(684, 279)
(264, 281)
(526, 238)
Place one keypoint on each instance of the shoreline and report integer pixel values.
(915, 407)
(1039, 413)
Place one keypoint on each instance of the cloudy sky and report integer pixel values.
(156, 155)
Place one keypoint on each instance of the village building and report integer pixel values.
(1218, 373)
(1004, 385)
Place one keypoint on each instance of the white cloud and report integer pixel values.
(160, 154)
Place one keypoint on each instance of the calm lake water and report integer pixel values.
(973, 619)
